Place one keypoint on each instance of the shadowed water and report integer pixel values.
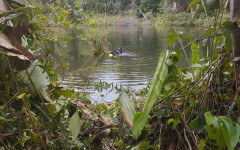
(134, 69)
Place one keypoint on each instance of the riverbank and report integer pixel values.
(170, 19)
(187, 19)
(117, 20)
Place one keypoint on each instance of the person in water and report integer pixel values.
(118, 52)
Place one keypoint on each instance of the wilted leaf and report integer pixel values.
(127, 107)
(75, 124)
(98, 138)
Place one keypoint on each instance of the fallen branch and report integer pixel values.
(141, 13)
(92, 114)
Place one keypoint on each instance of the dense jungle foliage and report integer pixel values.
(195, 107)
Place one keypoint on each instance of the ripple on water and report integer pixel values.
(134, 68)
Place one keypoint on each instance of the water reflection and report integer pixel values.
(134, 69)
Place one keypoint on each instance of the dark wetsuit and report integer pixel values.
(117, 52)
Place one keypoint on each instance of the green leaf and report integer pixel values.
(178, 53)
(144, 145)
(172, 37)
(227, 40)
(21, 20)
(16, 21)
(228, 25)
(195, 53)
(43, 17)
(51, 108)
(2, 106)
(231, 108)
(231, 132)
(202, 144)
(21, 96)
(65, 93)
(208, 117)
(194, 2)
(120, 143)
(102, 106)
(196, 66)
(204, 42)
(38, 81)
(209, 32)
(141, 118)
(197, 125)
(3, 26)
(223, 130)
(12, 16)
(127, 107)
(159, 113)
(170, 120)
(75, 124)
(2, 118)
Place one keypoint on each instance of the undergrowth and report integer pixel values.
(195, 107)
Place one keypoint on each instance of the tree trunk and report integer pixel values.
(236, 43)
(234, 7)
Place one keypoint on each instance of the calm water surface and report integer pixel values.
(134, 69)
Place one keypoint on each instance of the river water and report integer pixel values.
(133, 70)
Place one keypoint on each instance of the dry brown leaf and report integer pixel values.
(91, 114)
(10, 39)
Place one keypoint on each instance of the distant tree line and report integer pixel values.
(113, 7)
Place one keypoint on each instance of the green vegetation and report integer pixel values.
(195, 107)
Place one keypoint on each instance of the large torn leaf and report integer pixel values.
(75, 124)
(141, 118)
(127, 107)
(10, 36)
(11, 50)
(3, 8)
(38, 80)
